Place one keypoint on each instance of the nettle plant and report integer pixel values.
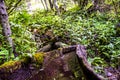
(21, 35)
(96, 33)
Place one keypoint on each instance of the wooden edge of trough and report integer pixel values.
(81, 56)
(83, 63)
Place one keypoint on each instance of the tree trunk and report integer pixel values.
(46, 5)
(5, 24)
(56, 6)
(43, 3)
(51, 5)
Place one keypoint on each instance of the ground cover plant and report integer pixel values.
(94, 24)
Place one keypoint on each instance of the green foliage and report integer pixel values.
(4, 49)
(4, 55)
(96, 32)
(21, 35)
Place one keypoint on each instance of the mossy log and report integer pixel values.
(60, 64)
(9, 67)
(12, 66)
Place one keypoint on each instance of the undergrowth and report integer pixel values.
(95, 31)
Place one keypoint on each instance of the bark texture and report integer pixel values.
(56, 6)
(5, 24)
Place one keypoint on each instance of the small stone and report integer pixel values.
(109, 74)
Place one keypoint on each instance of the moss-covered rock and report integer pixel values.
(10, 66)
(38, 58)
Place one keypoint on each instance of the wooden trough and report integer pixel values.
(67, 63)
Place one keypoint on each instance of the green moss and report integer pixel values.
(10, 66)
(38, 57)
